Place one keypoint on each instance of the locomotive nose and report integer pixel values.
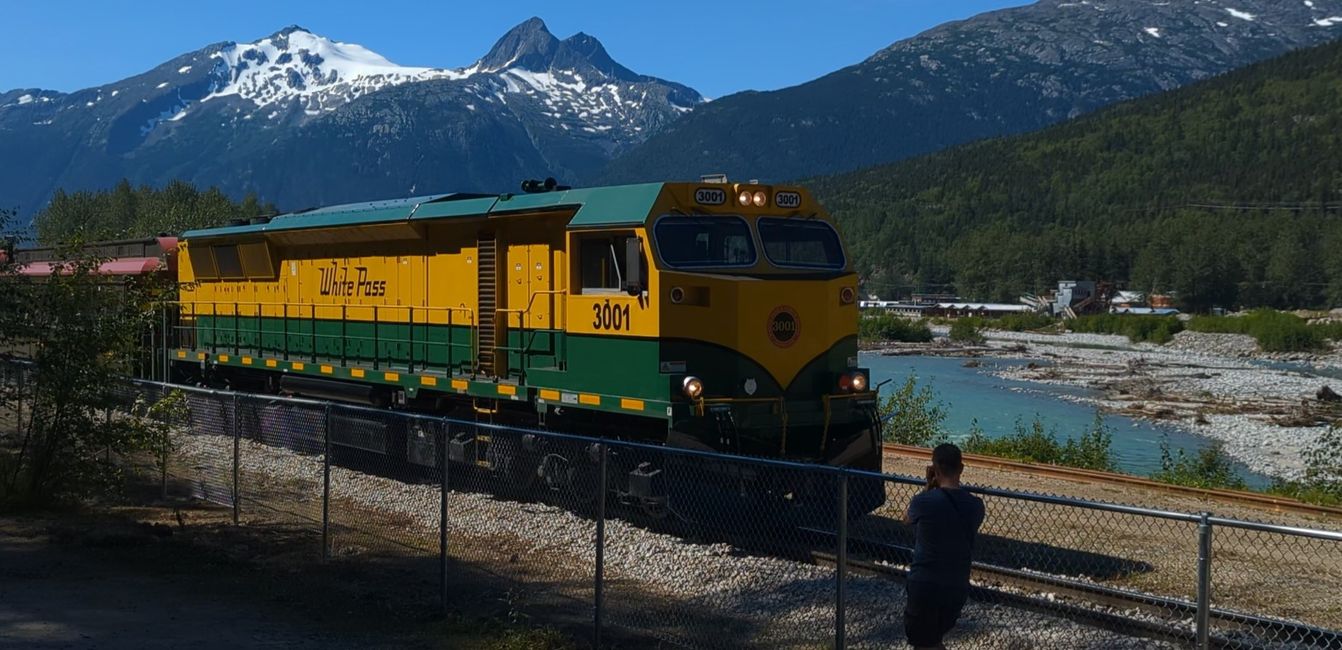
(790, 326)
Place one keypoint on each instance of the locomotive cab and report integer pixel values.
(758, 330)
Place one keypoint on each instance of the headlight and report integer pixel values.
(744, 198)
(859, 382)
(693, 387)
(760, 198)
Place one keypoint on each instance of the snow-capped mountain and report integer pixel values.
(994, 74)
(302, 119)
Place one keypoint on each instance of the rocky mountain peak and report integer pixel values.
(529, 46)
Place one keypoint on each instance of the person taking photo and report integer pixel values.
(946, 520)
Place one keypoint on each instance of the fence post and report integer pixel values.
(1204, 581)
(326, 484)
(841, 574)
(164, 443)
(237, 458)
(600, 586)
(442, 516)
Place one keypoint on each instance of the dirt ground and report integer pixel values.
(1122, 494)
(181, 576)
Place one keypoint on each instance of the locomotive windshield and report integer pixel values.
(809, 244)
(689, 242)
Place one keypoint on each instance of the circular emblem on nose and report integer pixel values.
(784, 327)
(751, 386)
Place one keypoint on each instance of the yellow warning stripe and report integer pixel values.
(631, 404)
(507, 389)
(594, 400)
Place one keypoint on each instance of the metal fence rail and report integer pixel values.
(1049, 571)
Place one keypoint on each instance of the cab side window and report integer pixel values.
(603, 266)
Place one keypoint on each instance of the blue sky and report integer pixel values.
(718, 48)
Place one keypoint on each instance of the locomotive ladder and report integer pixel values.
(487, 270)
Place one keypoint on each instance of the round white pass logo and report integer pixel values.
(710, 196)
(787, 199)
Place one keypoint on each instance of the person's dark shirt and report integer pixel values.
(945, 535)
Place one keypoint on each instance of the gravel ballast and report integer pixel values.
(704, 594)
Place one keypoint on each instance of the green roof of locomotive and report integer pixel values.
(619, 205)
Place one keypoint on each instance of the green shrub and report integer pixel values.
(1024, 322)
(916, 417)
(889, 327)
(1152, 329)
(966, 330)
(1322, 482)
(1033, 443)
(1275, 331)
(1331, 330)
(1209, 468)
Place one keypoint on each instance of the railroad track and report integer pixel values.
(1235, 497)
(1088, 603)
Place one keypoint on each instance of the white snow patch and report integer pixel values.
(1242, 15)
(1329, 21)
(1154, 31)
(88, 104)
(162, 85)
(1222, 24)
(25, 99)
(184, 69)
(114, 92)
(1309, 3)
(312, 67)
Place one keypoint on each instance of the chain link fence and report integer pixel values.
(743, 552)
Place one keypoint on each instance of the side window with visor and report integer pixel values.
(603, 267)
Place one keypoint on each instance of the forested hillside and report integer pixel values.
(1228, 192)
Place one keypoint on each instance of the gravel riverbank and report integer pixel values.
(1215, 385)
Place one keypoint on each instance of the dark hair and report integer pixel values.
(947, 458)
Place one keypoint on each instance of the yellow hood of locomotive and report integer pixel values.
(780, 323)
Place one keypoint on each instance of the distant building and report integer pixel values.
(980, 309)
(1073, 297)
(900, 308)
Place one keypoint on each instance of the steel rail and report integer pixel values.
(1237, 497)
(1092, 594)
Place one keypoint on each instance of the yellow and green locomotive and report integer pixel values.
(708, 316)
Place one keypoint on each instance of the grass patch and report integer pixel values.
(966, 330)
(1151, 329)
(1322, 482)
(889, 327)
(1210, 468)
(1026, 322)
(1035, 444)
(1275, 331)
(497, 635)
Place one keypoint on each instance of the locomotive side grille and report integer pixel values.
(487, 270)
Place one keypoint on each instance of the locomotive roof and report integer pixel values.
(596, 206)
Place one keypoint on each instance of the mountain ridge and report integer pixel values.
(1006, 71)
(1226, 192)
(243, 115)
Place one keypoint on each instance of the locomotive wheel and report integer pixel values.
(514, 469)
